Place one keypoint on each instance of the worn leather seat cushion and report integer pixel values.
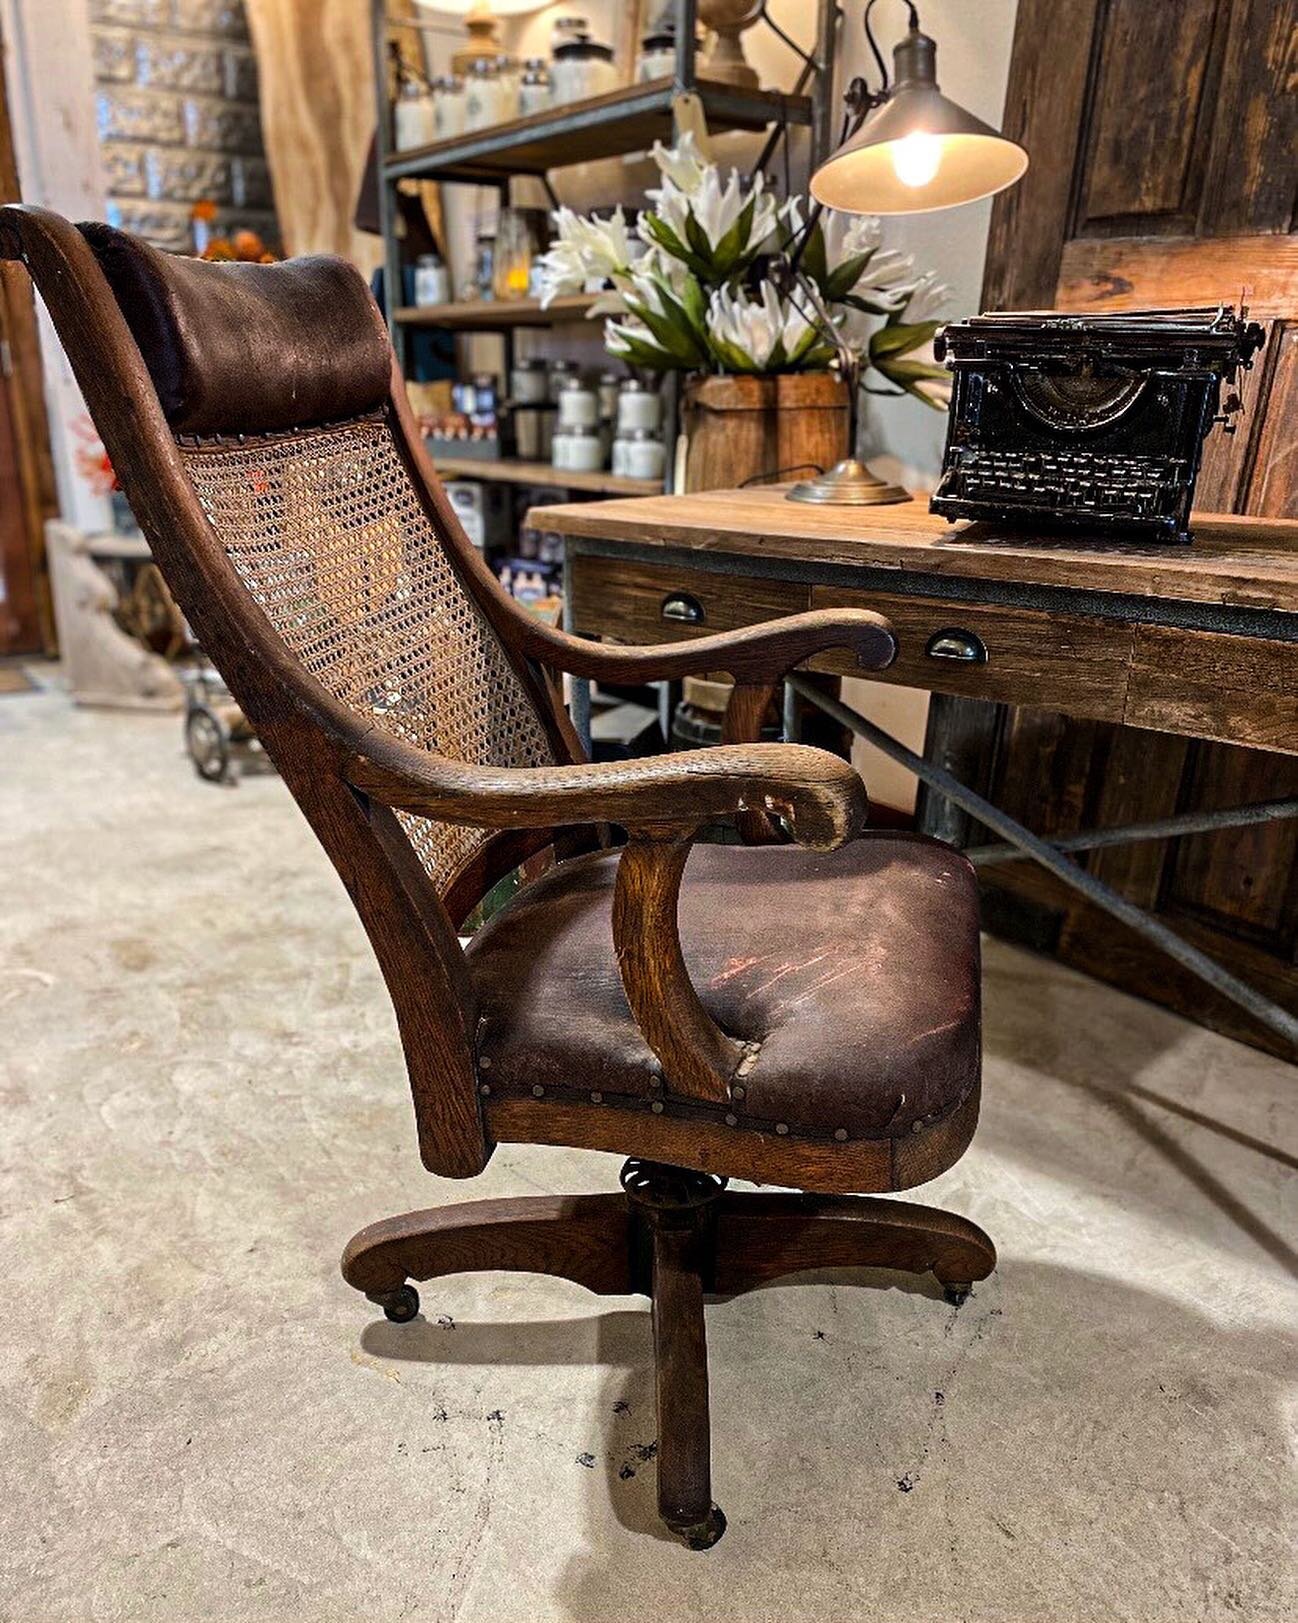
(248, 349)
(856, 970)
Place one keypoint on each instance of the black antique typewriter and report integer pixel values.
(1091, 421)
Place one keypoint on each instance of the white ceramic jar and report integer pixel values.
(645, 456)
(448, 107)
(578, 404)
(638, 407)
(585, 450)
(414, 122)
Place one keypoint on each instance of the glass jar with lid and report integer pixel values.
(585, 449)
(657, 58)
(482, 95)
(529, 382)
(578, 404)
(432, 281)
(560, 370)
(448, 107)
(413, 117)
(534, 90)
(645, 455)
(509, 85)
(583, 68)
(563, 30)
(638, 407)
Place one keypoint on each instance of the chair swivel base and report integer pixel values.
(673, 1235)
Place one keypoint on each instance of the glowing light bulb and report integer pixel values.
(916, 157)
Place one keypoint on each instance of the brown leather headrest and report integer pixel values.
(247, 349)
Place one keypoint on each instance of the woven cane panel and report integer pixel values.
(329, 536)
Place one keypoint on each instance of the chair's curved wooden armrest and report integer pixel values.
(820, 796)
(760, 653)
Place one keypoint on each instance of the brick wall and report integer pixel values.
(176, 89)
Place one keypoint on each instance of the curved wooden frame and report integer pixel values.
(349, 780)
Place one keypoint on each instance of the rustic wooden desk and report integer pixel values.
(1199, 640)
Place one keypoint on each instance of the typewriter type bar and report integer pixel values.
(1086, 422)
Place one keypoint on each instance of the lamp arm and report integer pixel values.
(874, 44)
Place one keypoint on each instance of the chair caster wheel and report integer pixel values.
(957, 1294)
(702, 1535)
(401, 1305)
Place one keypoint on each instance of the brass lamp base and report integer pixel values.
(848, 483)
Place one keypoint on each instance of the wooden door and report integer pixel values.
(1164, 144)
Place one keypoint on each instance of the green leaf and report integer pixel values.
(730, 356)
(734, 245)
(667, 239)
(697, 238)
(898, 337)
(673, 336)
(908, 374)
(873, 307)
(696, 306)
(691, 317)
(813, 258)
(844, 277)
(640, 352)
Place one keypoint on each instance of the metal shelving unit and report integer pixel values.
(630, 119)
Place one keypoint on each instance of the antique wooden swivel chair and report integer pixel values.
(803, 1015)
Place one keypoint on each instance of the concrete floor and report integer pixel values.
(203, 1098)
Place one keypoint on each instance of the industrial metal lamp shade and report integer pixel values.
(918, 151)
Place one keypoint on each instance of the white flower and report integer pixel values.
(888, 279)
(586, 253)
(715, 207)
(926, 298)
(683, 165)
(755, 327)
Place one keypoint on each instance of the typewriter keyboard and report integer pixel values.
(1101, 481)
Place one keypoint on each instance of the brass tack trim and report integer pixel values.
(538, 1092)
(484, 1088)
(840, 1133)
(657, 1107)
(597, 1098)
(732, 1121)
(781, 1127)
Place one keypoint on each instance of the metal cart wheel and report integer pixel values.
(208, 744)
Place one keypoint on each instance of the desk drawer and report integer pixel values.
(1017, 656)
(648, 603)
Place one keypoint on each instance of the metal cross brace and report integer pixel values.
(1053, 856)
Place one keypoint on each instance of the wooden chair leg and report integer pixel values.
(762, 1237)
(585, 1238)
(675, 1234)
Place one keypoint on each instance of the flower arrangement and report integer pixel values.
(695, 287)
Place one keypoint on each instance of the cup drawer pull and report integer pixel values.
(958, 645)
(681, 606)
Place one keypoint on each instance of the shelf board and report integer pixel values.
(627, 120)
(495, 315)
(511, 471)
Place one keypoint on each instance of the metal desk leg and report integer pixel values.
(1058, 863)
(578, 686)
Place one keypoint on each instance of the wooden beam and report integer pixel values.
(1146, 273)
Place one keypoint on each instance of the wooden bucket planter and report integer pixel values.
(742, 429)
